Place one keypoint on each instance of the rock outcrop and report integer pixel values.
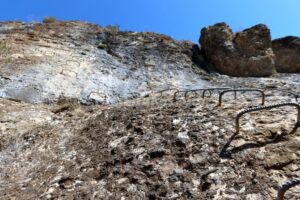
(287, 52)
(246, 53)
(41, 62)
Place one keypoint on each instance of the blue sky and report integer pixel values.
(181, 19)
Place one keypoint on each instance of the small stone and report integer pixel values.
(122, 181)
(183, 137)
(179, 171)
(115, 143)
(50, 190)
(132, 188)
(196, 158)
(48, 196)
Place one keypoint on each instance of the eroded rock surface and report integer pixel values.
(246, 53)
(150, 148)
(287, 51)
(41, 62)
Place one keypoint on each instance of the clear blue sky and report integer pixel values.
(181, 19)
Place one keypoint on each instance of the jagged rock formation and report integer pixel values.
(287, 51)
(40, 62)
(246, 53)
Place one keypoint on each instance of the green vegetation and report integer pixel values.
(66, 103)
(4, 49)
(113, 28)
(49, 19)
(102, 46)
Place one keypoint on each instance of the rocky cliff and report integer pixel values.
(148, 138)
(40, 62)
(287, 51)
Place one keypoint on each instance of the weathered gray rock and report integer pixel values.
(287, 52)
(141, 150)
(243, 54)
(41, 62)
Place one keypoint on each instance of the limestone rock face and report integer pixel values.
(40, 62)
(287, 52)
(244, 54)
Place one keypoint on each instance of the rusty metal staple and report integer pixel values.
(195, 92)
(241, 90)
(289, 184)
(167, 90)
(205, 90)
(258, 108)
(175, 94)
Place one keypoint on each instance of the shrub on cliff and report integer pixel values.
(4, 49)
(49, 20)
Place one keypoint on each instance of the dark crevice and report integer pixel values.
(199, 59)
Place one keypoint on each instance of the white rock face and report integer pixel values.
(64, 60)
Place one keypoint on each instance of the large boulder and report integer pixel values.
(287, 52)
(246, 53)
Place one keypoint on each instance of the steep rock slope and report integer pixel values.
(148, 148)
(40, 62)
(151, 147)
